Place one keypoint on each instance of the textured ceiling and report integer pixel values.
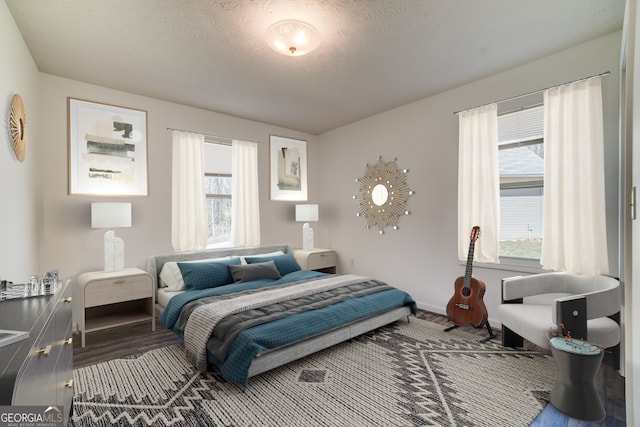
(375, 54)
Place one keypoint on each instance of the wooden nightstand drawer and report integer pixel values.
(318, 260)
(113, 290)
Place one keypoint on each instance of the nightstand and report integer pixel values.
(114, 298)
(323, 260)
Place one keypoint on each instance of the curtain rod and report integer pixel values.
(213, 138)
(606, 73)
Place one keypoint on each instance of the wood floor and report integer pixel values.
(137, 338)
(116, 343)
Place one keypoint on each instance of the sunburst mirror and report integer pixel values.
(382, 194)
(17, 125)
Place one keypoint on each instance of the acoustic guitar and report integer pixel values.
(466, 307)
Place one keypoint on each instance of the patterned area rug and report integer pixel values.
(405, 374)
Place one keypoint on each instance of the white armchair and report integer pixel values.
(588, 306)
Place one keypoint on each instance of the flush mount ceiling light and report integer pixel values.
(292, 37)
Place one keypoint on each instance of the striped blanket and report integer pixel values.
(204, 319)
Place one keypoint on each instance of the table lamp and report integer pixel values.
(111, 215)
(306, 214)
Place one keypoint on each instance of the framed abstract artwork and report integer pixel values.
(107, 149)
(287, 168)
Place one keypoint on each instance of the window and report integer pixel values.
(217, 168)
(218, 191)
(521, 160)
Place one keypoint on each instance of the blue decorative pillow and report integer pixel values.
(284, 263)
(204, 275)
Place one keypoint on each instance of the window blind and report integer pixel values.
(521, 125)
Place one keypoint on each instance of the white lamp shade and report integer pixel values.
(110, 215)
(306, 213)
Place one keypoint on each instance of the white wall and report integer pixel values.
(421, 257)
(68, 241)
(19, 187)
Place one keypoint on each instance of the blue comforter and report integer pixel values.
(284, 331)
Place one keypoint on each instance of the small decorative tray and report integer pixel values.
(572, 345)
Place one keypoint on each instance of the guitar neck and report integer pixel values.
(469, 268)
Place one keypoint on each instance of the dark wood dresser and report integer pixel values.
(38, 370)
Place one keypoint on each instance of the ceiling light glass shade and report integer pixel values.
(292, 37)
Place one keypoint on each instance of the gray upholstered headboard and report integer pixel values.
(155, 262)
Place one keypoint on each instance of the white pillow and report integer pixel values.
(243, 258)
(171, 277)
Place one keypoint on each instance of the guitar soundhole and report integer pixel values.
(466, 292)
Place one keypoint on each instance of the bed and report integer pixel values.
(270, 313)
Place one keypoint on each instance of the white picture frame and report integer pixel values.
(287, 169)
(107, 149)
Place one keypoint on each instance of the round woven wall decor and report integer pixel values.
(17, 125)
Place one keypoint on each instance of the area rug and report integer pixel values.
(405, 374)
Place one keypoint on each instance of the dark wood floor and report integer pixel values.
(123, 341)
(137, 338)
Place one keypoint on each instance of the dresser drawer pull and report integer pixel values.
(119, 282)
(44, 352)
(69, 341)
(69, 384)
(68, 300)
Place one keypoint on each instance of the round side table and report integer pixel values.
(574, 392)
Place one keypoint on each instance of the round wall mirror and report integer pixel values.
(382, 195)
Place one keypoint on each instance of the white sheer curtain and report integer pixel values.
(479, 182)
(189, 226)
(574, 238)
(245, 203)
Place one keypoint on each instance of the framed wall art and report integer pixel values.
(287, 168)
(107, 148)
